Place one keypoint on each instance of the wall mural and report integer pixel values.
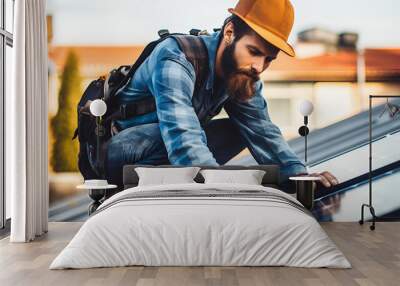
(224, 96)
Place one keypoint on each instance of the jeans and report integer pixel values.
(143, 145)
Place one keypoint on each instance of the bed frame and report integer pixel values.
(131, 179)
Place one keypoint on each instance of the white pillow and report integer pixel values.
(164, 176)
(248, 177)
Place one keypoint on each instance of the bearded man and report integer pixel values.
(180, 131)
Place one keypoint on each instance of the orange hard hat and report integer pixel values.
(271, 19)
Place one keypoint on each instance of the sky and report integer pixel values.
(131, 22)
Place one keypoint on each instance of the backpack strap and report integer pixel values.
(127, 110)
(136, 108)
(142, 57)
(196, 53)
(130, 70)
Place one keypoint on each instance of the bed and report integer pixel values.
(198, 224)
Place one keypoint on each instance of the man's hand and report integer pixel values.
(327, 179)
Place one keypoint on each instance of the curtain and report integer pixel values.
(26, 124)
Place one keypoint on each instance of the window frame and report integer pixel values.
(6, 39)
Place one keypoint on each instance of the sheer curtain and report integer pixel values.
(26, 124)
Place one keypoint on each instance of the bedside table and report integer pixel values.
(305, 189)
(96, 193)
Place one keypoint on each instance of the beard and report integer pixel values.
(240, 83)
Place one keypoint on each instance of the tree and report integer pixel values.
(64, 157)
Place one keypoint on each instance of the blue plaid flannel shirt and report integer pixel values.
(168, 76)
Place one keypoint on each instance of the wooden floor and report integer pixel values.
(374, 255)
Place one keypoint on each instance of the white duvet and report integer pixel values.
(267, 229)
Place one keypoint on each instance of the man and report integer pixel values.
(180, 132)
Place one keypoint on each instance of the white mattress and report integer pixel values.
(182, 230)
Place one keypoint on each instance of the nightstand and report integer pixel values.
(97, 192)
(305, 189)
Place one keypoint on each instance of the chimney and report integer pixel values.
(348, 40)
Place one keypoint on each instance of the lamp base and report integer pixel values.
(96, 195)
(372, 211)
(305, 193)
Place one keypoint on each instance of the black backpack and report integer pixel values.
(92, 166)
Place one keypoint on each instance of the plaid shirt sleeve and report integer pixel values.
(264, 139)
(172, 84)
